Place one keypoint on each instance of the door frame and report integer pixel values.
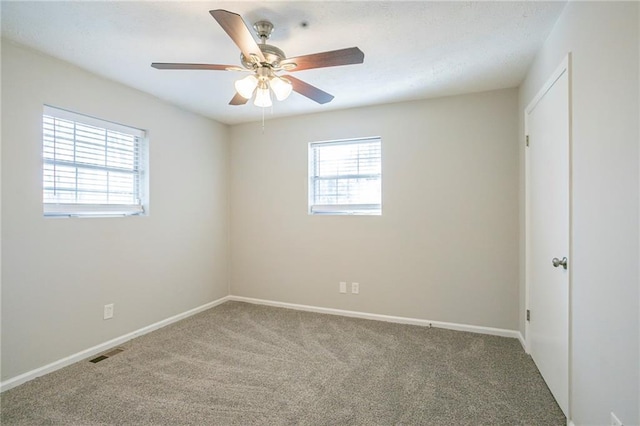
(564, 67)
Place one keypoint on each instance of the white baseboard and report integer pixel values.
(56, 365)
(570, 423)
(522, 341)
(388, 318)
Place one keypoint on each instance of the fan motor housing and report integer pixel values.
(272, 54)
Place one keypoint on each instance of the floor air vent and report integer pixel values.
(104, 356)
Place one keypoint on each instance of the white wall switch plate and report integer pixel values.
(108, 311)
(343, 287)
(355, 288)
(615, 421)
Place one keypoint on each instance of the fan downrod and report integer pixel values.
(272, 54)
(263, 30)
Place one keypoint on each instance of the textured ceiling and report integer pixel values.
(413, 50)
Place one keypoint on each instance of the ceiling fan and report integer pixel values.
(264, 62)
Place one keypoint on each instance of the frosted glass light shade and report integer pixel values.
(246, 86)
(263, 97)
(281, 88)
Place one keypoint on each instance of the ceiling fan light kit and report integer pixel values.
(260, 83)
(246, 86)
(281, 87)
(265, 61)
(263, 97)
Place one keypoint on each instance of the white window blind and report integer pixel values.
(345, 177)
(90, 166)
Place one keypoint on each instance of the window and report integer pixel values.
(90, 167)
(345, 177)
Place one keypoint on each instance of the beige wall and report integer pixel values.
(58, 273)
(446, 245)
(605, 332)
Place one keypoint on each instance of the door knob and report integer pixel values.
(557, 262)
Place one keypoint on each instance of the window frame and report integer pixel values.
(366, 209)
(87, 209)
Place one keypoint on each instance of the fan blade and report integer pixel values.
(172, 66)
(311, 92)
(351, 55)
(238, 100)
(235, 27)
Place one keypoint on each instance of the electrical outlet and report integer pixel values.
(615, 421)
(355, 288)
(108, 311)
(343, 287)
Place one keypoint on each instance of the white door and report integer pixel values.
(548, 233)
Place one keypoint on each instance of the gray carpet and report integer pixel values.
(243, 364)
